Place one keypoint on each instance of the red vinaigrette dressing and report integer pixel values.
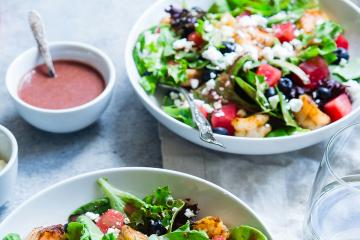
(76, 83)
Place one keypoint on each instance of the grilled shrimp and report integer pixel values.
(55, 232)
(310, 19)
(213, 226)
(310, 116)
(127, 233)
(253, 126)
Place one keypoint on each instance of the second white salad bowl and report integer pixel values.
(61, 199)
(343, 11)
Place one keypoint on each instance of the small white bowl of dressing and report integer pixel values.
(61, 117)
(8, 164)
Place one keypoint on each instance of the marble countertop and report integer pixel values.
(114, 141)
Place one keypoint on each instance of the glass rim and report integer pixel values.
(327, 159)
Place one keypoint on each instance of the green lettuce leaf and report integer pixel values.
(92, 230)
(182, 233)
(12, 236)
(264, 7)
(77, 231)
(180, 113)
(246, 233)
(98, 206)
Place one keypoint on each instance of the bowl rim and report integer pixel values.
(14, 151)
(134, 80)
(138, 169)
(67, 44)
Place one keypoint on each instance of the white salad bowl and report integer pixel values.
(343, 11)
(8, 153)
(61, 199)
(64, 120)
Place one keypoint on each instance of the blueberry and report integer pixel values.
(270, 92)
(286, 86)
(221, 131)
(209, 74)
(324, 93)
(157, 227)
(341, 53)
(229, 47)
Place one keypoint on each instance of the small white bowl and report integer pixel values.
(64, 120)
(343, 11)
(9, 153)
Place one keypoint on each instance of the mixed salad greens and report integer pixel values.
(264, 68)
(120, 215)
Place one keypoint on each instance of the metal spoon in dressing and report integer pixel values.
(37, 28)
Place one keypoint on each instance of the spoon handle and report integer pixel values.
(206, 133)
(37, 28)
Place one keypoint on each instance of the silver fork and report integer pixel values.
(205, 131)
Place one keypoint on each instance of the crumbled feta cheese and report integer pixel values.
(213, 55)
(252, 21)
(230, 58)
(217, 105)
(208, 27)
(295, 105)
(297, 44)
(268, 53)
(2, 164)
(189, 213)
(126, 220)
(274, 101)
(245, 21)
(343, 62)
(283, 51)
(247, 66)
(114, 231)
(178, 102)
(288, 46)
(183, 44)
(259, 20)
(252, 51)
(219, 113)
(298, 32)
(279, 16)
(353, 89)
(212, 75)
(194, 83)
(174, 95)
(93, 216)
(210, 84)
(175, 209)
(314, 94)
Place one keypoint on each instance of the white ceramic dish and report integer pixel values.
(66, 196)
(66, 120)
(9, 153)
(343, 11)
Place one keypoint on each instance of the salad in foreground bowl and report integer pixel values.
(255, 68)
(120, 215)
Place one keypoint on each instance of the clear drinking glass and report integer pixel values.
(334, 206)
